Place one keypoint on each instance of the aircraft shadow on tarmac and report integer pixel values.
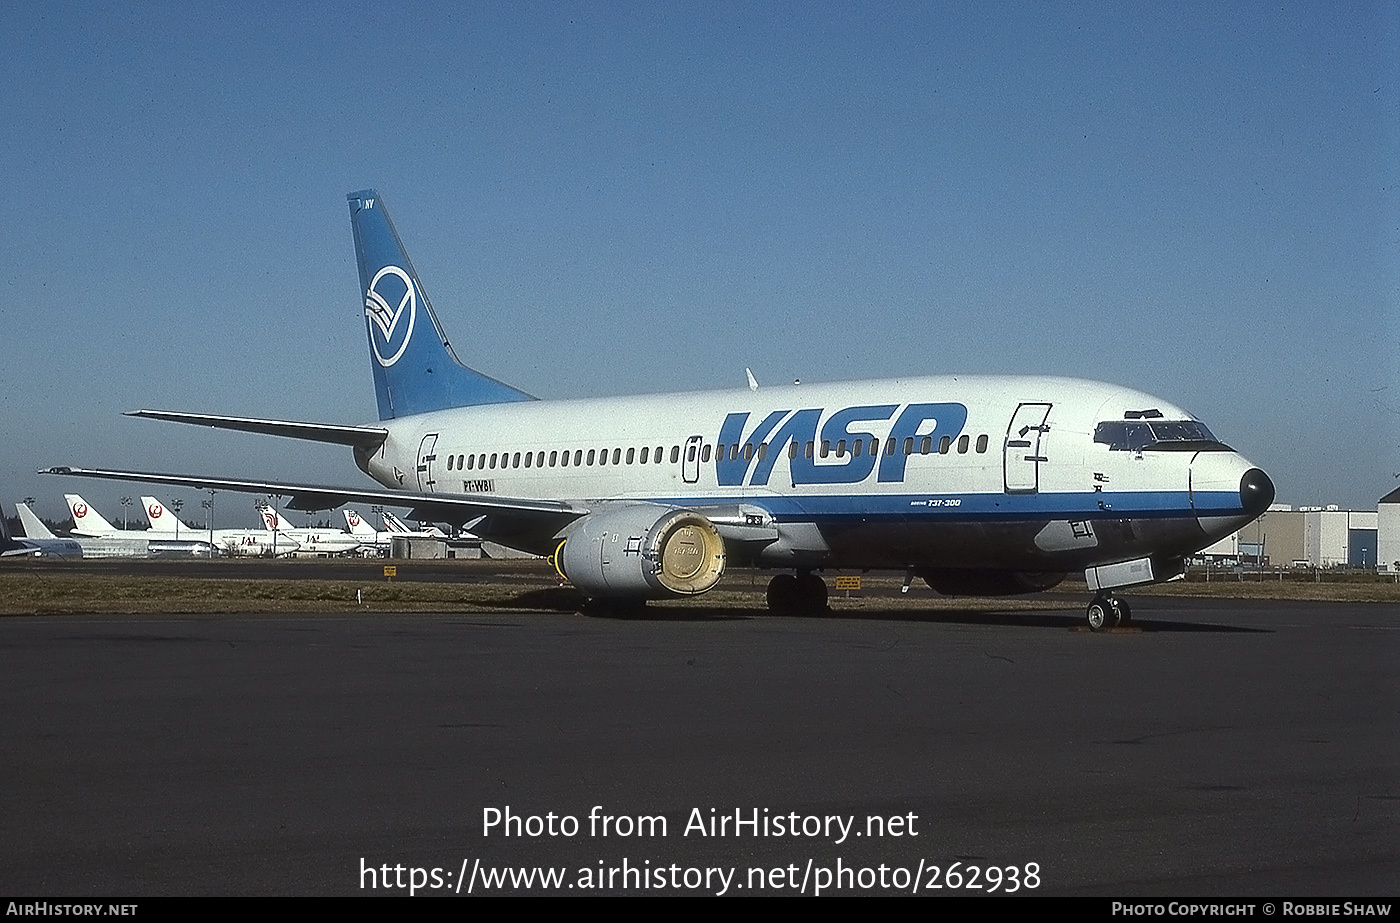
(567, 599)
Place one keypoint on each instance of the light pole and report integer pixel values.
(126, 504)
(175, 505)
(209, 521)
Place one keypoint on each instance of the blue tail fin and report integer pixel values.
(415, 369)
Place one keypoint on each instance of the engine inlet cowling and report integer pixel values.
(642, 550)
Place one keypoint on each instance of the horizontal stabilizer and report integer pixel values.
(365, 437)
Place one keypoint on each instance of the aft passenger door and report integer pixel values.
(426, 457)
(1025, 448)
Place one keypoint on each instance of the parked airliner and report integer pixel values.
(37, 546)
(100, 538)
(233, 542)
(978, 485)
(312, 541)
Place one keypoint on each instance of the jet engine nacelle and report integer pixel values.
(958, 582)
(641, 551)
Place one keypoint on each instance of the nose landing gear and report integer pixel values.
(1107, 611)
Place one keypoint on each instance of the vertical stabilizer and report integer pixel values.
(357, 525)
(415, 369)
(86, 520)
(33, 527)
(160, 518)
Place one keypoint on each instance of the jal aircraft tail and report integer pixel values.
(271, 519)
(86, 520)
(357, 525)
(415, 369)
(160, 518)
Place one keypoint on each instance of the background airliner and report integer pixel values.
(233, 542)
(100, 538)
(313, 541)
(44, 544)
(979, 485)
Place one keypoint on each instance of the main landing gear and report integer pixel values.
(803, 593)
(1107, 611)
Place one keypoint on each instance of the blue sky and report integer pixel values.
(1198, 200)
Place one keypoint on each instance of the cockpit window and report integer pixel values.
(1159, 435)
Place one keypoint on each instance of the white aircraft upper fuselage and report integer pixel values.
(978, 484)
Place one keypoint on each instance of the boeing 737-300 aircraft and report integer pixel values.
(980, 485)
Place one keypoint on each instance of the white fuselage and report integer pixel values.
(970, 471)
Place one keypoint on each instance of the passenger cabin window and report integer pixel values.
(982, 443)
(963, 440)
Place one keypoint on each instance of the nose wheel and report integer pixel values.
(1107, 611)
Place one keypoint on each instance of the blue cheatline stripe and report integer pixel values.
(983, 507)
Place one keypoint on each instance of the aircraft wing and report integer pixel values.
(426, 506)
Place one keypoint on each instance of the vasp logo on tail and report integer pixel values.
(384, 322)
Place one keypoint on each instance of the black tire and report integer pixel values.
(1100, 615)
(783, 594)
(812, 592)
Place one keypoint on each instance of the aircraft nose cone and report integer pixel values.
(1256, 491)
